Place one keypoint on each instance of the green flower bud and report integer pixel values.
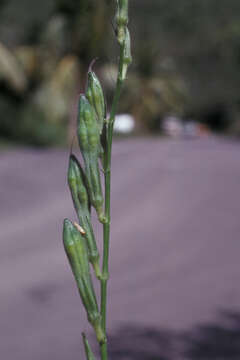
(76, 249)
(88, 350)
(121, 19)
(90, 145)
(88, 130)
(77, 253)
(93, 176)
(78, 187)
(94, 94)
(127, 57)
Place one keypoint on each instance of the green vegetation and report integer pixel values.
(95, 132)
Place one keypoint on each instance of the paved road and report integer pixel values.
(174, 251)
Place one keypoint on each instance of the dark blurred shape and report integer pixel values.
(210, 341)
(133, 342)
(214, 341)
(186, 64)
(22, 20)
(202, 39)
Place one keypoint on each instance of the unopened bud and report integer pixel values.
(121, 19)
(90, 145)
(76, 249)
(127, 57)
(77, 253)
(78, 188)
(94, 94)
(122, 13)
(88, 129)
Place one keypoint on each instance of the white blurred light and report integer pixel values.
(124, 123)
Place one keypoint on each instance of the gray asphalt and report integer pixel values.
(174, 251)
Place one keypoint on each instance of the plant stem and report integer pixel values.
(107, 178)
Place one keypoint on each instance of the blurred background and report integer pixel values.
(174, 291)
(186, 65)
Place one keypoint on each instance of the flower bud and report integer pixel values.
(94, 180)
(121, 19)
(122, 12)
(78, 188)
(76, 249)
(127, 57)
(90, 145)
(94, 94)
(77, 253)
(88, 130)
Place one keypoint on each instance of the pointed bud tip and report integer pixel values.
(82, 98)
(91, 64)
(72, 167)
(72, 160)
(67, 223)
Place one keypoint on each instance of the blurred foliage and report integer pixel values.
(202, 40)
(186, 63)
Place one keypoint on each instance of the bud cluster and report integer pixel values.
(86, 190)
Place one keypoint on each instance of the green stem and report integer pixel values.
(107, 178)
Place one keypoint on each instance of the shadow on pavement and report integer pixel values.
(216, 341)
(219, 340)
(134, 343)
